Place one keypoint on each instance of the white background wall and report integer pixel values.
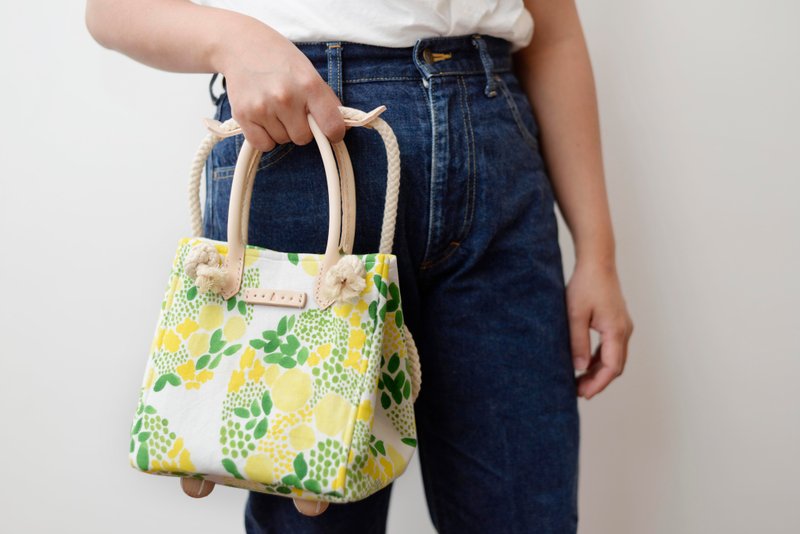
(700, 114)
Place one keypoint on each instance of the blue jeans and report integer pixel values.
(480, 274)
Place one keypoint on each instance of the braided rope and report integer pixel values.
(196, 172)
(389, 210)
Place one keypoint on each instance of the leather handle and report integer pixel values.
(241, 191)
(246, 168)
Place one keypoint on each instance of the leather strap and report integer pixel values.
(341, 195)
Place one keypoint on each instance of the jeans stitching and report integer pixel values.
(512, 106)
(431, 222)
(471, 179)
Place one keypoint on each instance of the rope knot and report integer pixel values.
(203, 265)
(345, 281)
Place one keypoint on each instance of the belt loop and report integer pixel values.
(488, 65)
(334, 54)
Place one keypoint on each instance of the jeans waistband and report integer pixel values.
(350, 62)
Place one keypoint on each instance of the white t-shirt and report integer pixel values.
(392, 23)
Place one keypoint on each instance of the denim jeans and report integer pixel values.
(480, 274)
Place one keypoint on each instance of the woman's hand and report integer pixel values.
(272, 86)
(595, 301)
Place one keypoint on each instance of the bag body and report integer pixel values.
(269, 385)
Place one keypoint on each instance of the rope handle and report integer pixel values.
(353, 117)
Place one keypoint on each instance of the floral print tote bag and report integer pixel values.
(282, 372)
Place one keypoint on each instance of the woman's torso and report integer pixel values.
(395, 23)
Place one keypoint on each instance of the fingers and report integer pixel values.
(196, 488)
(279, 114)
(580, 342)
(325, 111)
(256, 135)
(608, 363)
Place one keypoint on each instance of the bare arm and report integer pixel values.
(271, 84)
(556, 73)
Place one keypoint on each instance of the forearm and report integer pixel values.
(556, 74)
(174, 35)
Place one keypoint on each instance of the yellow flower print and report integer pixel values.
(186, 328)
(211, 316)
(180, 460)
(353, 360)
(198, 344)
(186, 370)
(248, 356)
(256, 372)
(362, 306)
(171, 341)
(365, 411)
(322, 352)
(357, 338)
(191, 378)
(236, 381)
(355, 320)
(342, 309)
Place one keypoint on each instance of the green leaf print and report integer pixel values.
(283, 489)
(202, 361)
(302, 356)
(244, 413)
(230, 467)
(233, 349)
(261, 429)
(149, 410)
(411, 442)
(137, 426)
(231, 303)
(312, 486)
(250, 424)
(216, 342)
(292, 480)
(144, 436)
(394, 362)
(294, 259)
(274, 358)
(373, 310)
(163, 380)
(407, 389)
(242, 307)
(216, 361)
(300, 466)
(385, 401)
(143, 457)
(255, 409)
(282, 326)
(191, 293)
(369, 262)
(266, 403)
(257, 344)
(287, 362)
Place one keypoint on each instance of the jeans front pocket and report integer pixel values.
(519, 106)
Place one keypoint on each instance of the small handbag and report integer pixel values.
(287, 373)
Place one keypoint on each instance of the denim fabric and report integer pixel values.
(480, 274)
